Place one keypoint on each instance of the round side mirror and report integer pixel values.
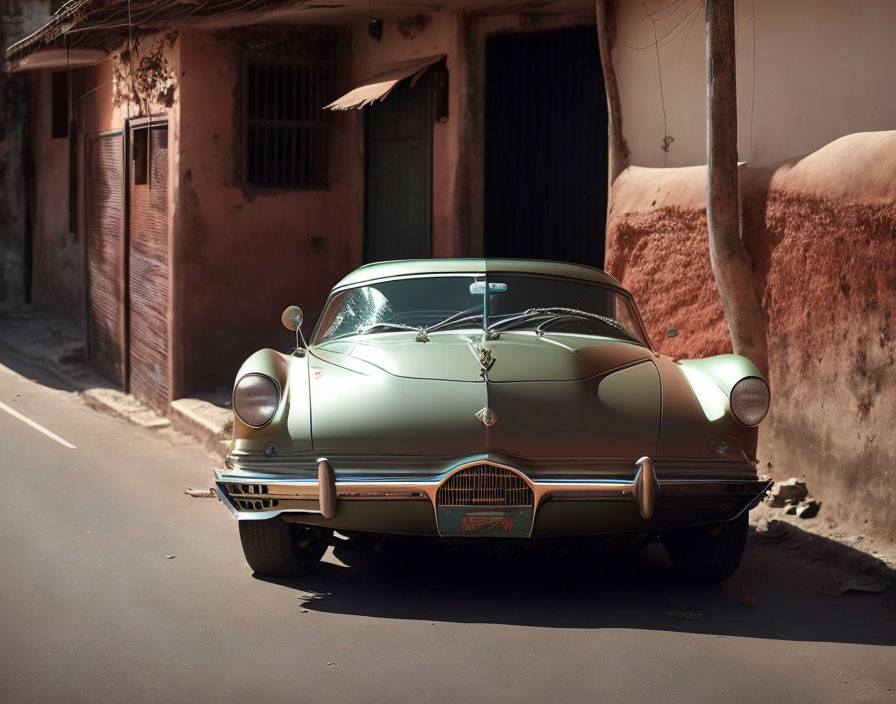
(292, 318)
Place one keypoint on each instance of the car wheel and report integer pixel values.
(277, 548)
(708, 553)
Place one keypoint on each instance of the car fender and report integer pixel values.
(290, 428)
(697, 419)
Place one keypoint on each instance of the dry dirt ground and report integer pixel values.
(823, 538)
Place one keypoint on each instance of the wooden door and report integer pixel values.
(398, 193)
(545, 146)
(106, 252)
(148, 284)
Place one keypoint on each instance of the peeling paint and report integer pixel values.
(147, 80)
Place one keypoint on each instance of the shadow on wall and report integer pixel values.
(820, 230)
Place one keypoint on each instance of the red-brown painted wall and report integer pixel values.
(822, 234)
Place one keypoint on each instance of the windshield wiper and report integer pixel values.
(460, 316)
(555, 314)
(523, 316)
(388, 326)
(452, 321)
(421, 330)
(424, 330)
(587, 316)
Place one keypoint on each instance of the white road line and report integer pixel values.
(37, 426)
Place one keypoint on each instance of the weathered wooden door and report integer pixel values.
(106, 252)
(148, 285)
(398, 193)
(545, 146)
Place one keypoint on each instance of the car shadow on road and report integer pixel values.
(777, 593)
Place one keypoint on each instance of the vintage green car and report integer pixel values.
(490, 398)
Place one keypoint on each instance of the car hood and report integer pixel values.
(515, 356)
(552, 398)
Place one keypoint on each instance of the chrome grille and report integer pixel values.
(485, 485)
(250, 497)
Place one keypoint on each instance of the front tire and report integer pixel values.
(277, 548)
(708, 553)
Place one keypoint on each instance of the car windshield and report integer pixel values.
(499, 302)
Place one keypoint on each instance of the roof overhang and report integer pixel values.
(58, 59)
(108, 24)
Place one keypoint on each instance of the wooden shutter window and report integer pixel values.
(105, 258)
(148, 277)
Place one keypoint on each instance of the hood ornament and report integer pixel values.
(487, 416)
(484, 357)
(486, 360)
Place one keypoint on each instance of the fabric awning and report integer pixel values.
(379, 86)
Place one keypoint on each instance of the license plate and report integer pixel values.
(492, 522)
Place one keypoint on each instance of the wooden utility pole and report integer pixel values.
(606, 36)
(731, 264)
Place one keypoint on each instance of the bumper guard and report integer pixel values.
(259, 498)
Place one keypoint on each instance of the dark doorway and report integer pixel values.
(398, 192)
(545, 146)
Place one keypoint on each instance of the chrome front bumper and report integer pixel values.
(251, 496)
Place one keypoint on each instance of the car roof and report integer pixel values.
(412, 267)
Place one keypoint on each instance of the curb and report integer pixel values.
(122, 405)
(211, 425)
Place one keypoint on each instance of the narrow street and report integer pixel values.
(118, 587)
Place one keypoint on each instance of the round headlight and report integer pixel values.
(749, 400)
(255, 399)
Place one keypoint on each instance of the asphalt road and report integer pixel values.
(92, 609)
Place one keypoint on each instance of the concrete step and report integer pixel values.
(210, 423)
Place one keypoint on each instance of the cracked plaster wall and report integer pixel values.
(821, 230)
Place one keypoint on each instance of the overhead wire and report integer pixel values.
(671, 31)
(659, 68)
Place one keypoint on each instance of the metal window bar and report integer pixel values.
(286, 133)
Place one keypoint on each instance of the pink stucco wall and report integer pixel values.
(239, 256)
(242, 256)
(58, 250)
(438, 32)
(58, 253)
